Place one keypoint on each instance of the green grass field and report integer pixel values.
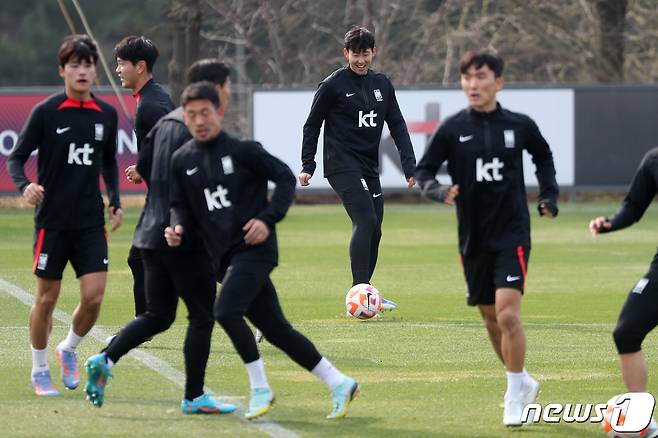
(426, 369)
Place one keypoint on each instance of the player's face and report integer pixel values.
(202, 119)
(79, 75)
(480, 86)
(360, 61)
(225, 93)
(127, 72)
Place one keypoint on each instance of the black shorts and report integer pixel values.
(86, 249)
(487, 271)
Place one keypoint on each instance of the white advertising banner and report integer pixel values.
(279, 116)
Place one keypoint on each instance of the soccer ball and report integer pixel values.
(607, 419)
(363, 301)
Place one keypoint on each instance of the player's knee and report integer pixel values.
(225, 317)
(628, 339)
(508, 320)
(160, 322)
(367, 222)
(46, 300)
(92, 301)
(201, 321)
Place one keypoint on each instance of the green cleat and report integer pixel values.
(260, 403)
(97, 375)
(342, 396)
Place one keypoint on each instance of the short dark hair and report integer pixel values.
(204, 90)
(480, 57)
(209, 69)
(359, 39)
(80, 47)
(135, 48)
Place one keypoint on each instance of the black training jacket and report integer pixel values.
(642, 191)
(218, 186)
(484, 152)
(153, 103)
(76, 143)
(354, 109)
(154, 165)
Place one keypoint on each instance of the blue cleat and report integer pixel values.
(342, 396)
(205, 404)
(68, 361)
(43, 384)
(260, 403)
(97, 375)
(388, 304)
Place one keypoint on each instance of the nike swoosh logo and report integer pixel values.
(191, 172)
(62, 130)
(511, 279)
(106, 261)
(349, 94)
(377, 195)
(464, 138)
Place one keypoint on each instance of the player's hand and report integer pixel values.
(174, 236)
(451, 194)
(132, 175)
(411, 181)
(304, 179)
(547, 208)
(116, 217)
(33, 193)
(257, 231)
(598, 224)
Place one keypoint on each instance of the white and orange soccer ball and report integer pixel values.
(608, 418)
(363, 301)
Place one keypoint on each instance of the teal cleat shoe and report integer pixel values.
(205, 404)
(68, 361)
(43, 384)
(342, 396)
(97, 375)
(260, 403)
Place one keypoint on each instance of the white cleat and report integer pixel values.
(529, 390)
(512, 412)
(388, 305)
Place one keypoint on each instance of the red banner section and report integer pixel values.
(14, 112)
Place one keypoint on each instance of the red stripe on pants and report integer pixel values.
(37, 250)
(519, 252)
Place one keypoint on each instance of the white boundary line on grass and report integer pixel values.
(269, 427)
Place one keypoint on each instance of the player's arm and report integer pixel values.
(435, 155)
(642, 191)
(324, 98)
(400, 134)
(29, 139)
(111, 177)
(260, 161)
(179, 209)
(145, 157)
(545, 171)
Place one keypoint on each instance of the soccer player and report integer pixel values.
(354, 102)
(136, 56)
(219, 189)
(483, 146)
(75, 134)
(639, 315)
(184, 272)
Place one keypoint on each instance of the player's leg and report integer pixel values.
(243, 281)
(160, 314)
(137, 270)
(266, 314)
(488, 313)
(195, 283)
(357, 200)
(50, 258)
(510, 268)
(638, 317)
(377, 197)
